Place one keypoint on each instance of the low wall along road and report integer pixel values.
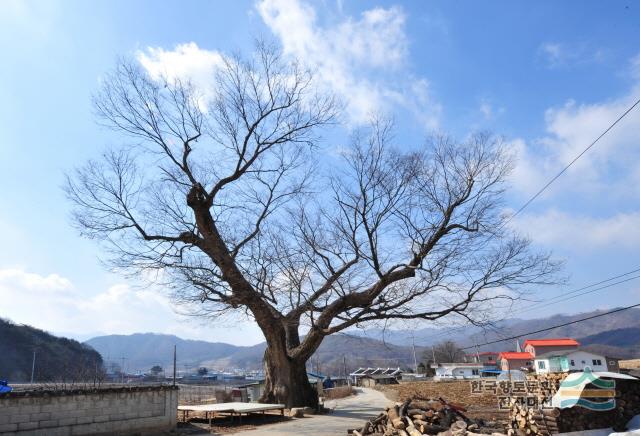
(89, 411)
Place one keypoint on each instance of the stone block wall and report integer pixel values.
(89, 412)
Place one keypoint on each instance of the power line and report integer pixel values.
(562, 298)
(575, 159)
(565, 296)
(555, 326)
(556, 177)
(541, 190)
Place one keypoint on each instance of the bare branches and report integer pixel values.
(220, 199)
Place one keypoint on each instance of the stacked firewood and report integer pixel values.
(425, 416)
(544, 422)
(626, 406)
(530, 421)
(555, 377)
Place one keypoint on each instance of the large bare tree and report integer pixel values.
(231, 204)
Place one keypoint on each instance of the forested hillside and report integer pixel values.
(57, 359)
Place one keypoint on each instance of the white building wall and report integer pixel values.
(545, 363)
(579, 360)
(459, 372)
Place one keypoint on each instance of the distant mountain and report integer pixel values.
(615, 336)
(623, 343)
(144, 350)
(626, 337)
(57, 359)
(618, 330)
(360, 351)
(141, 351)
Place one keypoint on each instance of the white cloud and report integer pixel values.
(51, 302)
(607, 175)
(488, 111)
(17, 278)
(561, 55)
(581, 233)
(610, 167)
(364, 60)
(185, 62)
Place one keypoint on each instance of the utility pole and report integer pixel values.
(122, 370)
(174, 364)
(344, 365)
(433, 353)
(33, 366)
(415, 361)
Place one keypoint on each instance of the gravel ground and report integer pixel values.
(349, 412)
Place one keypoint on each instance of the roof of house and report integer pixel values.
(457, 365)
(515, 355)
(370, 371)
(552, 342)
(488, 353)
(314, 375)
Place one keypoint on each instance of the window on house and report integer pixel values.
(573, 363)
(596, 362)
(583, 362)
(475, 372)
(541, 365)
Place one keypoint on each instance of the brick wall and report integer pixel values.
(83, 412)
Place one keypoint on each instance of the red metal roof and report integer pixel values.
(551, 342)
(514, 355)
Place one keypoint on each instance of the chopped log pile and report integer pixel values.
(530, 421)
(544, 422)
(422, 416)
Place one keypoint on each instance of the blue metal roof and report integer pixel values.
(491, 371)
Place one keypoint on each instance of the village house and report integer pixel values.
(361, 372)
(487, 358)
(457, 370)
(511, 360)
(369, 381)
(537, 347)
(573, 360)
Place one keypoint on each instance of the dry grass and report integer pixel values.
(339, 392)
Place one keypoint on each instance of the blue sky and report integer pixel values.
(548, 76)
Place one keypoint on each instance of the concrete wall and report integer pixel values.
(84, 412)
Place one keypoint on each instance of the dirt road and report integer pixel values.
(348, 413)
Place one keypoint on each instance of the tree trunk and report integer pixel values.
(286, 380)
